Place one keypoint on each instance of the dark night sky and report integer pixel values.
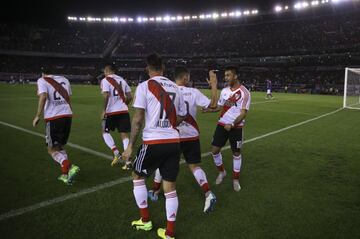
(55, 11)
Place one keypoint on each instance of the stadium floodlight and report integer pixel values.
(231, 14)
(215, 15)
(145, 19)
(238, 13)
(208, 16)
(130, 19)
(139, 19)
(173, 18)
(286, 7)
(247, 12)
(179, 18)
(278, 8)
(202, 16)
(301, 5)
(352, 88)
(187, 18)
(152, 19)
(194, 17)
(224, 14)
(158, 19)
(314, 3)
(167, 18)
(123, 19)
(254, 12)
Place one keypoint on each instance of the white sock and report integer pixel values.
(217, 159)
(237, 160)
(200, 176)
(157, 177)
(125, 143)
(58, 157)
(172, 204)
(140, 193)
(109, 141)
(63, 152)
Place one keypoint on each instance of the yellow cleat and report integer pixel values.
(161, 234)
(140, 225)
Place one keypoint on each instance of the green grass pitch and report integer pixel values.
(303, 182)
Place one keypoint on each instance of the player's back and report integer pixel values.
(117, 87)
(162, 102)
(56, 105)
(193, 98)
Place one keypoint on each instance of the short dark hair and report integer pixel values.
(180, 71)
(45, 70)
(111, 66)
(233, 69)
(155, 62)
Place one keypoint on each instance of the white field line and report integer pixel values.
(76, 146)
(21, 211)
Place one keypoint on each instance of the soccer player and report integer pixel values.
(269, 90)
(54, 100)
(189, 133)
(115, 115)
(234, 103)
(159, 102)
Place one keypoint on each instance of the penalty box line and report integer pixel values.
(24, 210)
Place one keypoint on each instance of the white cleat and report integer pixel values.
(236, 185)
(210, 201)
(220, 177)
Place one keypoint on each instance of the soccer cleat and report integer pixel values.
(64, 179)
(117, 159)
(161, 234)
(140, 225)
(127, 165)
(220, 177)
(210, 201)
(153, 195)
(236, 185)
(74, 170)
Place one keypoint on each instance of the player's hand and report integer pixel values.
(212, 81)
(228, 127)
(35, 121)
(127, 153)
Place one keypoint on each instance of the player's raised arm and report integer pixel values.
(214, 91)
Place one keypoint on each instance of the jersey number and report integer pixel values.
(115, 93)
(162, 103)
(55, 96)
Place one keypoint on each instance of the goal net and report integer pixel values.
(352, 88)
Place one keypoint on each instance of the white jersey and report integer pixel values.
(233, 101)
(160, 128)
(55, 106)
(116, 103)
(193, 98)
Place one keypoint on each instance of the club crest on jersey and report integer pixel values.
(233, 99)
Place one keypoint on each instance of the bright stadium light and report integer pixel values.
(167, 18)
(194, 17)
(301, 5)
(173, 18)
(139, 19)
(231, 14)
(179, 18)
(152, 19)
(215, 15)
(238, 13)
(286, 7)
(247, 12)
(130, 19)
(314, 3)
(158, 19)
(254, 12)
(224, 14)
(202, 16)
(187, 18)
(208, 16)
(278, 8)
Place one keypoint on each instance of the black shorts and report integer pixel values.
(166, 157)
(191, 151)
(121, 122)
(57, 132)
(221, 136)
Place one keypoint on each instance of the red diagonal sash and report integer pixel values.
(114, 83)
(190, 120)
(59, 88)
(163, 97)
